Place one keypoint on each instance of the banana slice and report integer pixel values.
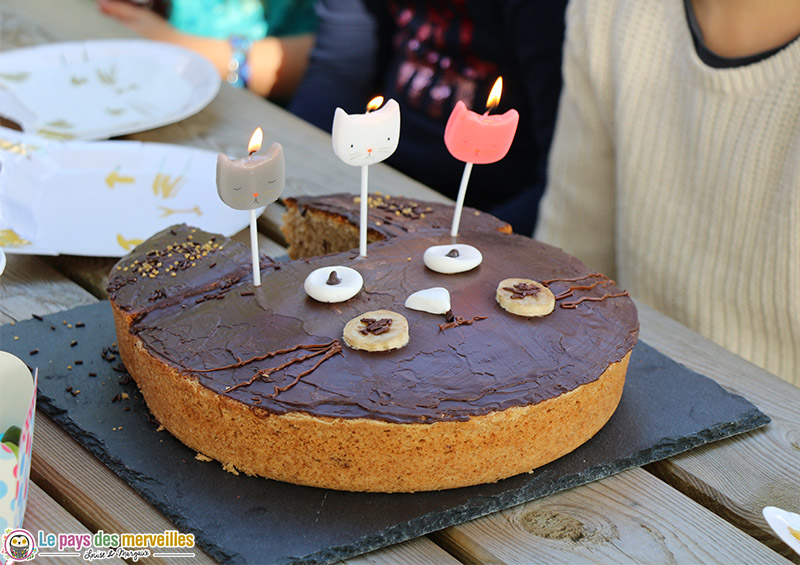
(525, 297)
(378, 330)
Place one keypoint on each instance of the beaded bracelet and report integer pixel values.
(238, 68)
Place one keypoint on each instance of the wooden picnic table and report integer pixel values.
(701, 506)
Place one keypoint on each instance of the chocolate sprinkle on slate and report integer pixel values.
(34, 352)
(107, 355)
(79, 324)
(73, 343)
(38, 317)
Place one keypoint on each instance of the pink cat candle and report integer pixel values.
(250, 183)
(362, 140)
(481, 139)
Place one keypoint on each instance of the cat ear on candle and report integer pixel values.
(366, 139)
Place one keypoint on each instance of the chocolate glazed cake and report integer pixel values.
(259, 379)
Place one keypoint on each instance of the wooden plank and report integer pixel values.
(45, 514)
(30, 286)
(420, 551)
(90, 491)
(91, 273)
(24, 23)
(628, 518)
(738, 477)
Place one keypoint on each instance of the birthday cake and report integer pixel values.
(318, 225)
(264, 379)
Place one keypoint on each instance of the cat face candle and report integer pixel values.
(251, 182)
(479, 139)
(366, 139)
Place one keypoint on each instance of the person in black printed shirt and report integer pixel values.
(427, 55)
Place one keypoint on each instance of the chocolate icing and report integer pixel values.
(205, 265)
(494, 364)
(394, 215)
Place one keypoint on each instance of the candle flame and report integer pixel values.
(255, 141)
(375, 103)
(494, 95)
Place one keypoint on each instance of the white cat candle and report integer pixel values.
(361, 140)
(250, 183)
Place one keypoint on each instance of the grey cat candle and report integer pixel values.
(251, 183)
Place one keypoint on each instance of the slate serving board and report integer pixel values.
(665, 409)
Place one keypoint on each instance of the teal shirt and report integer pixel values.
(253, 19)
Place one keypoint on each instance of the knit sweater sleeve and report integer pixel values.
(577, 211)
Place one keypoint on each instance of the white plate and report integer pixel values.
(102, 89)
(102, 198)
(780, 521)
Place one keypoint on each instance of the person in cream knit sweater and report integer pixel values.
(675, 166)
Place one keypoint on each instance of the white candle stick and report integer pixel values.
(362, 140)
(462, 192)
(362, 231)
(254, 249)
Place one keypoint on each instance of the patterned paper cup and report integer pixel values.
(17, 410)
